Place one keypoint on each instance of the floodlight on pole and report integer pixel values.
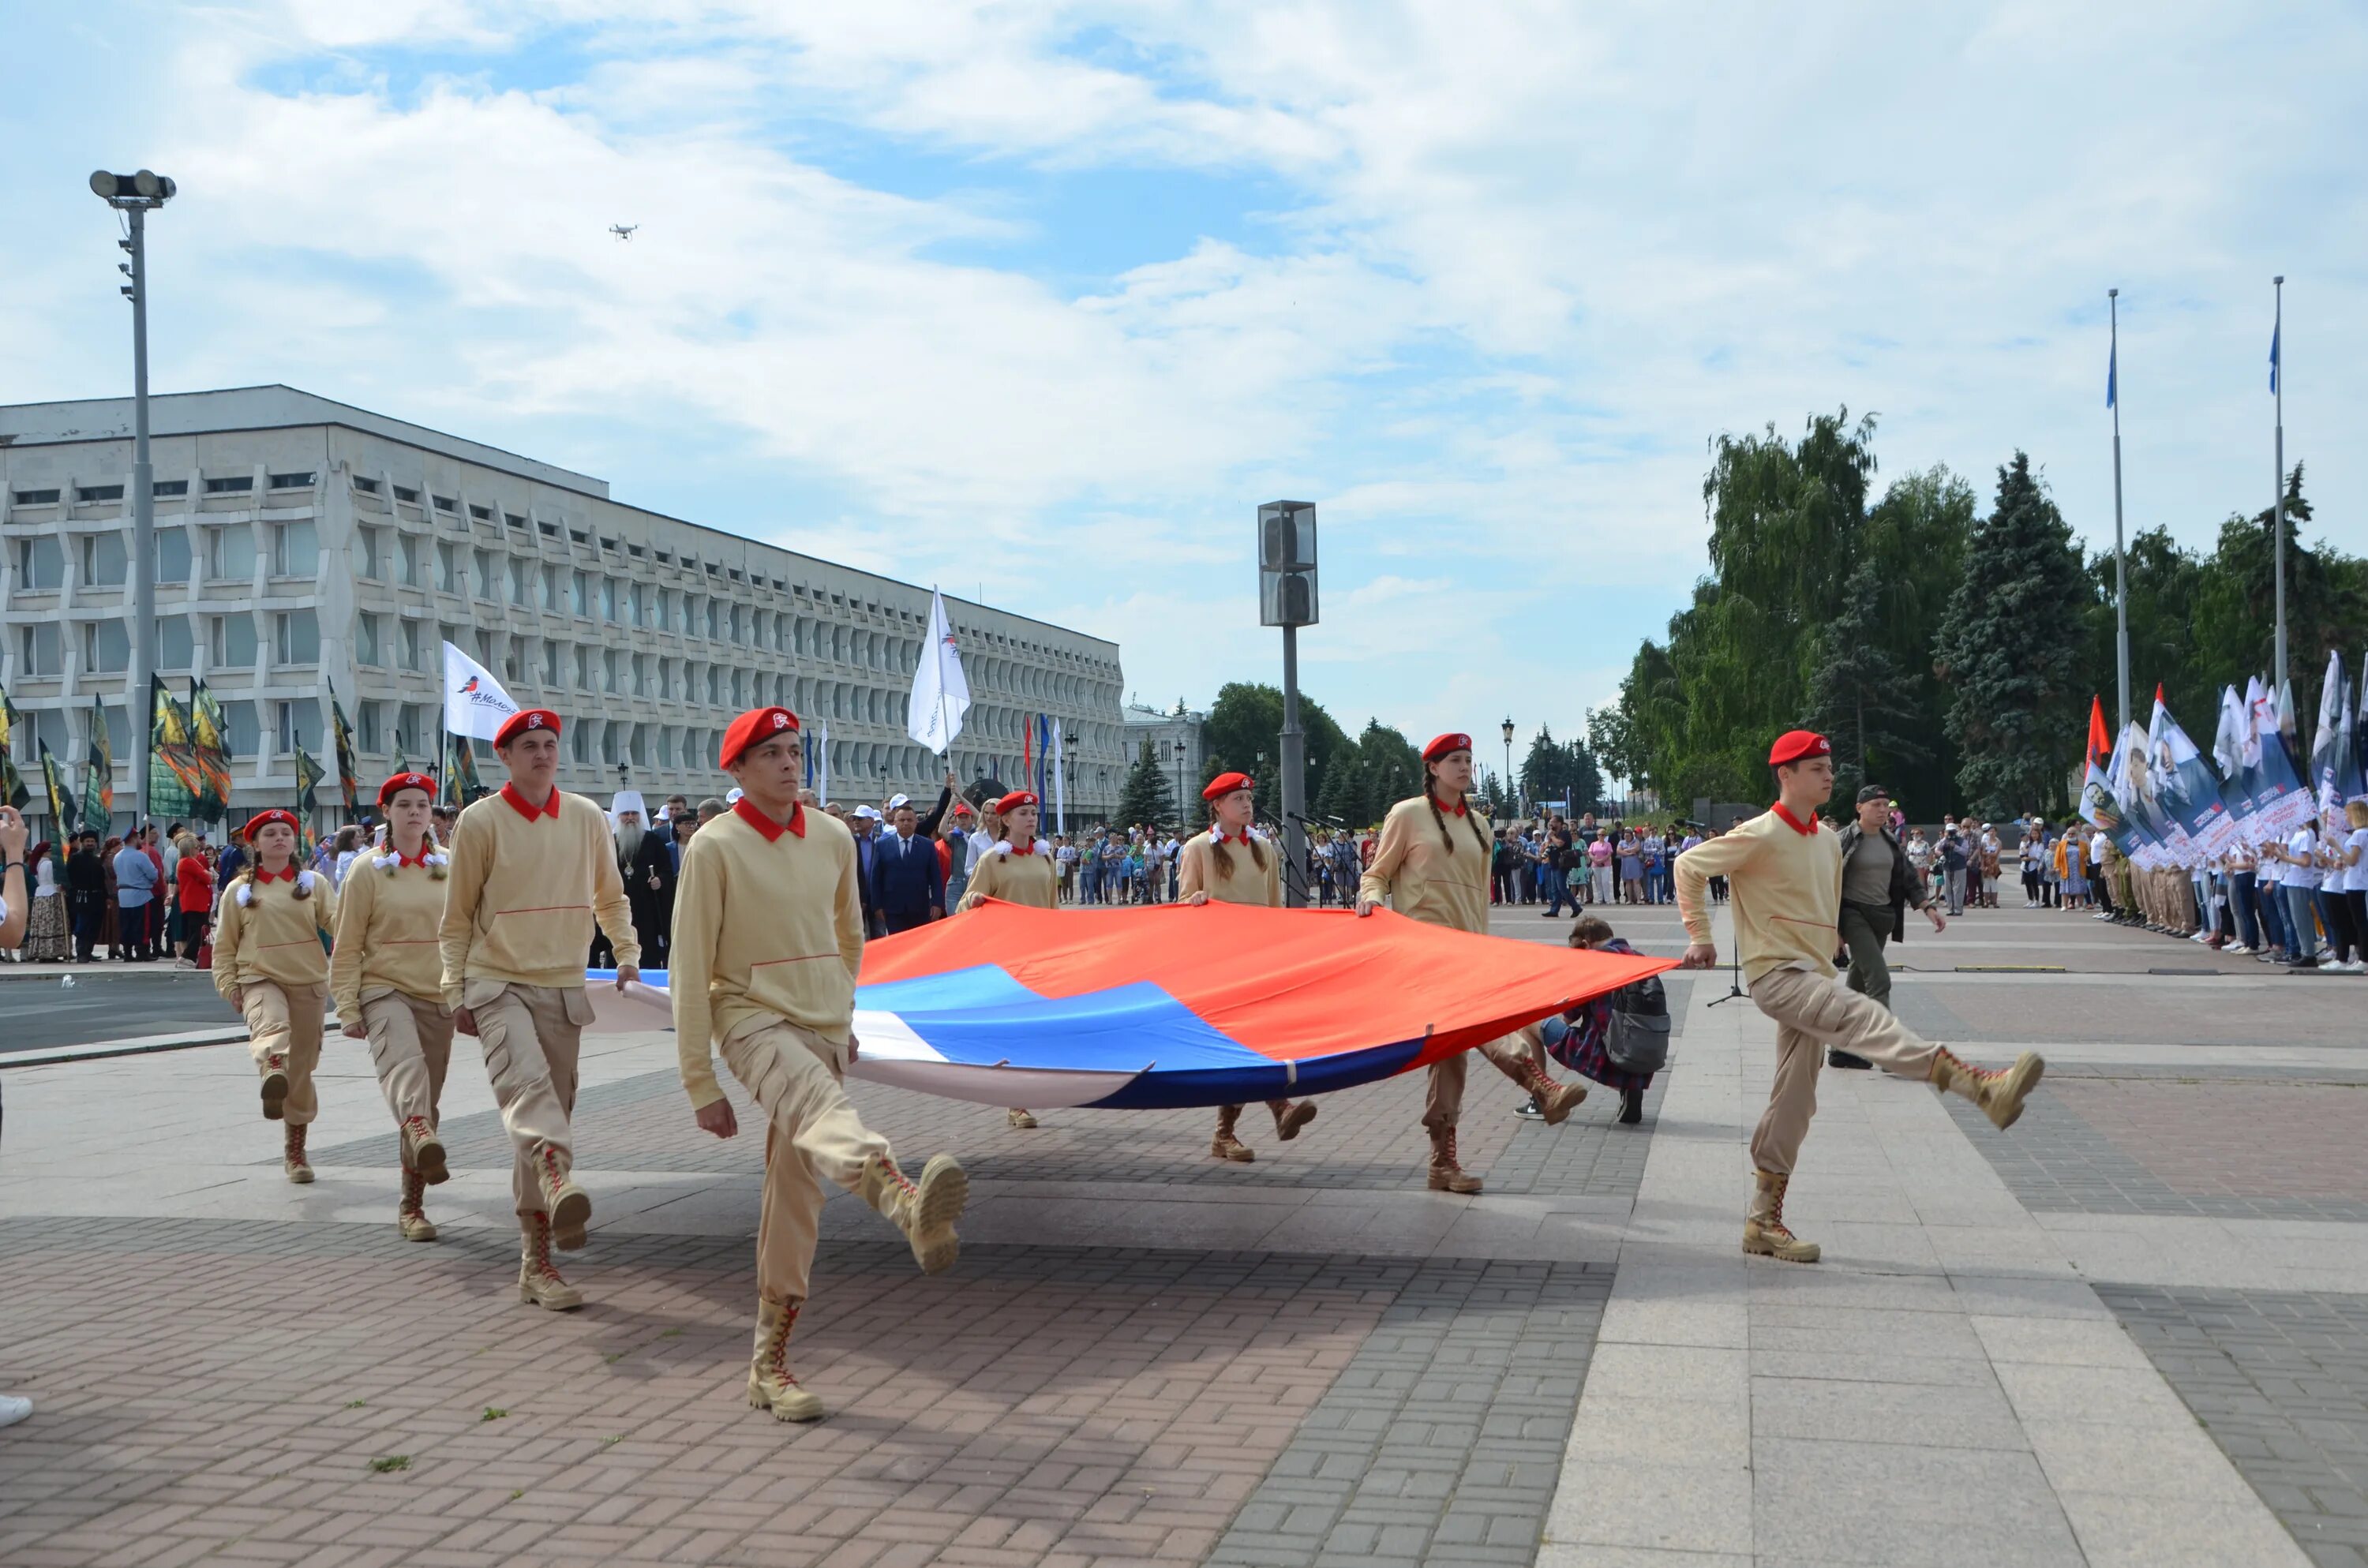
(133, 195)
(1512, 796)
(1287, 599)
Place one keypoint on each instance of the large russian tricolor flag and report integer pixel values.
(1167, 1005)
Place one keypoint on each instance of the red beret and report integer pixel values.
(1013, 802)
(402, 781)
(754, 725)
(523, 720)
(1225, 784)
(262, 820)
(962, 808)
(1795, 745)
(1442, 745)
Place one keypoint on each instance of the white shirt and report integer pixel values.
(2356, 877)
(2097, 844)
(2301, 845)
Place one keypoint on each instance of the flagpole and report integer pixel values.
(2278, 389)
(2120, 566)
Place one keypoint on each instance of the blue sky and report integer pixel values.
(1048, 298)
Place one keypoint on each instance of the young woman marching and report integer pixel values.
(387, 978)
(1433, 866)
(1014, 865)
(268, 963)
(1211, 870)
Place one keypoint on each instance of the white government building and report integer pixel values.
(304, 544)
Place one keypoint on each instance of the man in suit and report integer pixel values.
(908, 885)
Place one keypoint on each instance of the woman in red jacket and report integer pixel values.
(193, 882)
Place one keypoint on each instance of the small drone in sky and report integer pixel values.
(623, 231)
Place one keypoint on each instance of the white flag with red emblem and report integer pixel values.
(940, 692)
(475, 702)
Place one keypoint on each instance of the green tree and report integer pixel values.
(1551, 770)
(1390, 771)
(1148, 796)
(1860, 698)
(2006, 647)
(1246, 719)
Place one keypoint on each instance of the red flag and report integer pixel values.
(2101, 745)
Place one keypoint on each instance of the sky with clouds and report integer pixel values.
(1046, 298)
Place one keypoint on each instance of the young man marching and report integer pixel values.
(768, 940)
(532, 869)
(1785, 870)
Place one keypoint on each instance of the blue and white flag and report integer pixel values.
(940, 690)
(2112, 372)
(2276, 330)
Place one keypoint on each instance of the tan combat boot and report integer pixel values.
(423, 1150)
(1289, 1118)
(410, 1214)
(569, 1205)
(2000, 1093)
(771, 1385)
(292, 1156)
(1764, 1230)
(538, 1281)
(1224, 1145)
(1019, 1119)
(1446, 1174)
(925, 1210)
(1556, 1101)
(275, 1087)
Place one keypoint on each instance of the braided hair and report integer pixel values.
(1430, 798)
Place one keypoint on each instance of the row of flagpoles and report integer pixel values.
(2152, 793)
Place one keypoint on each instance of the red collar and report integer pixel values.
(426, 847)
(287, 874)
(771, 830)
(1243, 840)
(550, 808)
(1804, 828)
(1441, 805)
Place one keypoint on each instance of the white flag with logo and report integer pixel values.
(475, 702)
(940, 692)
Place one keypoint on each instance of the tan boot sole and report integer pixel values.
(275, 1096)
(1231, 1149)
(429, 1161)
(301, 1174)
(1294, 1119)
(566, 1298)
(940, 1198)
(1018, 1120)
(1554, 1109)
(1457, 1182)
(1794, 1251)
(419, 1230)
(2006, 1106)
(569, 1214)
(793, 1404)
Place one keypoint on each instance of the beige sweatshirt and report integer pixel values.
(523, 893)
(1784, 886)
(274, 934)
(1422, 877)
(1198, 872)
(386, 933)
(767, 924)
(1016, 878)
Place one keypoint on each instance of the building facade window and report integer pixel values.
(38, 649)
(368, 649)
(40, 565)
(174, 645)
(241, 732)
(295, 550)
(370, 554)
(407, 643)
(296, 637)
(232, 645)
(368, 728)
(448, 568)
(173, 555)
(408, 553)
(103, 561)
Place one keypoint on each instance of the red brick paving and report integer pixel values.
(222, 1387)
(2208, 1138)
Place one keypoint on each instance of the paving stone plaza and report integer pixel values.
(2132, 1330)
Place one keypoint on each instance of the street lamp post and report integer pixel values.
(1180, 749)
(1512, 796)
(1287, 598)
(133, 195)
